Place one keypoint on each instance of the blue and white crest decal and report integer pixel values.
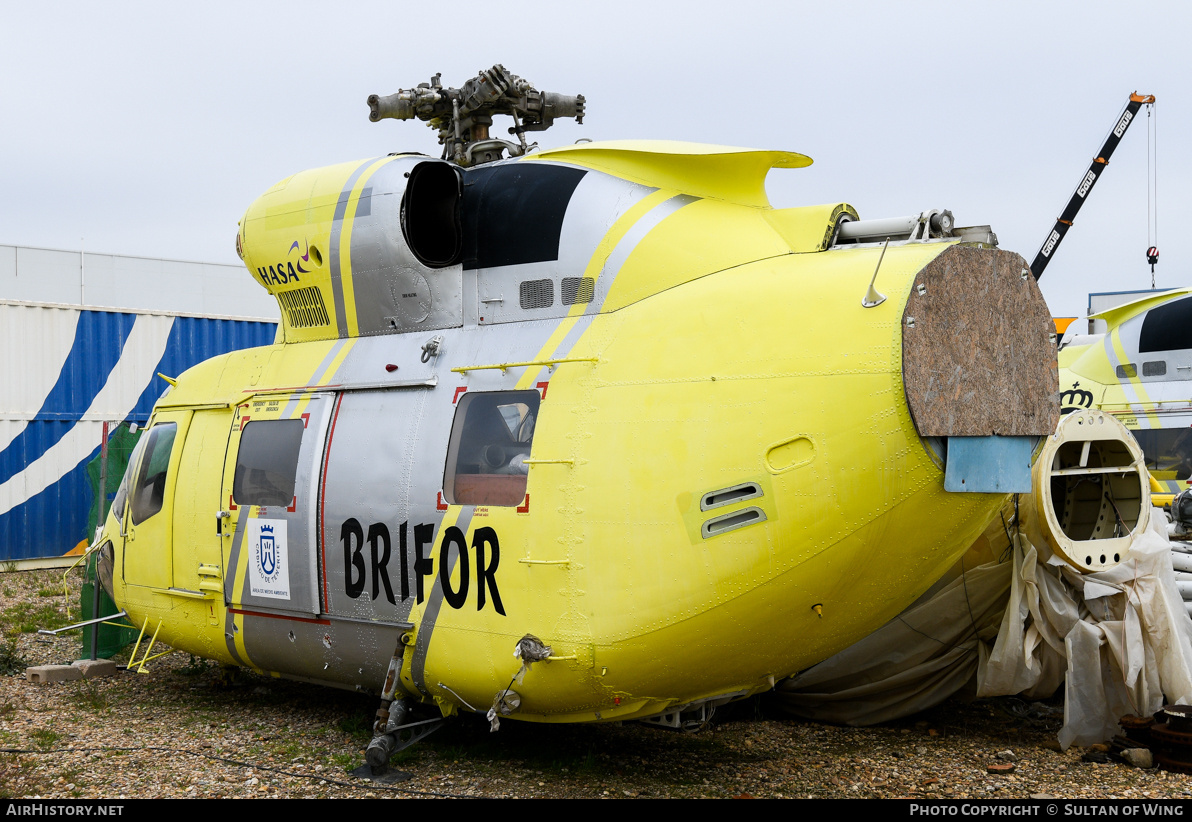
(268, 568)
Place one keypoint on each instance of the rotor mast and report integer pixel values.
(464, 115)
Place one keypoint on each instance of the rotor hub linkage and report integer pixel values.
(463, 116)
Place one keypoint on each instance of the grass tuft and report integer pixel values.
(11, 661)
(44, 738)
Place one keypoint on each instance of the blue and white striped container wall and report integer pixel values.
(62, 373)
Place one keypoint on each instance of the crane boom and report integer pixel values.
(1096, 167)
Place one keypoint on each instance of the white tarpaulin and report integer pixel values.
(1120, 639)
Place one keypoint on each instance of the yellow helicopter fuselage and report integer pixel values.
(603, 396)
(1139, 370)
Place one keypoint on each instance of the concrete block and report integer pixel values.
(92, 668)
(42, 674)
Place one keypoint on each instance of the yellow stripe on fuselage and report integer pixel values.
(241, 574)
(604, 249)
(335, 363)
(1135, 382)
(345, 247)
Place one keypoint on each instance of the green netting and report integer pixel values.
(111, 638)
(120, 445)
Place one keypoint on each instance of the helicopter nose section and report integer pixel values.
(978, 348)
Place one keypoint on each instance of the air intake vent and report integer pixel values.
(727, 496)
(578, 290)
(304, 307)
(537, 293)
(731, 522)
(1154, 368)
(1127, 371)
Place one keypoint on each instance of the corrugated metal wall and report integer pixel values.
(46, 275)
(66, 370)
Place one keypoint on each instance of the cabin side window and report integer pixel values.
(149, 489)
(267, 462)
(490, 442)
(1168, 452)
(121, 499)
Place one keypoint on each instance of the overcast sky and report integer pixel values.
(148, 128)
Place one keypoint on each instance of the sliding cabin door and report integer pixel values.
(269, 496)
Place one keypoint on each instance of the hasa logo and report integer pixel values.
(287, 271)
(304, 257)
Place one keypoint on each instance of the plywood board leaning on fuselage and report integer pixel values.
(961, 380)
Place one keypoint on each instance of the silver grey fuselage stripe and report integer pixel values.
(233, 559)
(292, 404)
(1128, 387)
(616, 259)
(434, 601)
(337, 224)
(636, 233)
(572, 336)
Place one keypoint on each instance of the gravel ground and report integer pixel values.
(188, 729)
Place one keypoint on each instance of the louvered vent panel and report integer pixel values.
(304, 307)
(578, 290)
(537, 293)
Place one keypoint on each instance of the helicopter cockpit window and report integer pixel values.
(121, 498)
(490, 442)
(149, 489)
(267, 462)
